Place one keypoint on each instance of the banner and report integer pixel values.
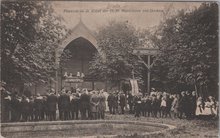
(134, 86)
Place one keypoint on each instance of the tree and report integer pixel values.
(30, 33)
(116, 60)
(188, 46)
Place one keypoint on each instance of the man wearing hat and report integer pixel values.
(74, 105)
(110, 100)
(102, 104)
(94, 102)
(193, 102)
(60, 108)
(16, 107)
(152, 91)
(182, 104)
(115, 102)
(137, 105)
(65, 103)
(84, 104)
(38, 105)
(52, 102)
(122, 102)
(25, 104)
(5, 105)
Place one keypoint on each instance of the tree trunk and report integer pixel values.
(196, 90)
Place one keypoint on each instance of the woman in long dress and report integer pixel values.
(199, 108)
(210, 106)
(213, 106)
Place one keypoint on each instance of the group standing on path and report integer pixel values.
(69, 104)
(161, 104)
(82, 104)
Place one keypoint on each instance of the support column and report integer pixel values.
(57, 69)
(148, 75)
(61, 78)
(56, 82)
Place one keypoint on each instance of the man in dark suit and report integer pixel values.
(122, 102)
(65, 104)
(38, 105)
(75, 105)
(25, 104)
(52, 102)
(60, 108)
(84, 104)
(5, 105)
(16, 107)
(137, 105)
(182, 104)
(31, 109)
(115, 103)
(193, 104)
(110, 100)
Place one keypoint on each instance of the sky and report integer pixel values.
(97, 14)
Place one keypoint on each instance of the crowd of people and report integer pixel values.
(82, 104)
(158, 104)
(69, 103)
(184, 105)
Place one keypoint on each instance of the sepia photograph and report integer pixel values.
(109, 69)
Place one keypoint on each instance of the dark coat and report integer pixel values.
(115, 101)
(84, 101)
(52, 102)
(148, 105)
(193, 101)
(64, 101)
(122, 101)
(25, 105)
(130, 99)
(137, 103)
(183, 102)
(38, 104)
(110, 100)
(15, 103)
(75, 103)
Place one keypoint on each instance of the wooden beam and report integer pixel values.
(142, 61)
(144, 51)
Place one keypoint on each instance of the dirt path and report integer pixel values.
(185, 128)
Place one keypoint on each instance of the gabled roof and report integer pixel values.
(81, 26)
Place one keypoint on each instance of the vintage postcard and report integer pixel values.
(129, 69)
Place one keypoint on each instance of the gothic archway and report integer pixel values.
(82, 42)
(81, 52)
(80, 30)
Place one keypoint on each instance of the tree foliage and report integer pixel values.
(188, 46)
(30, 33)
(116, 61)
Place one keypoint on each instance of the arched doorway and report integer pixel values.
(80, 53)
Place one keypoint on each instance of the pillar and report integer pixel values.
(57, 69)
(148, 75)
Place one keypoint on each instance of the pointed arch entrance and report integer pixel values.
(81, 53)
(82, 44)
(79, 31)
